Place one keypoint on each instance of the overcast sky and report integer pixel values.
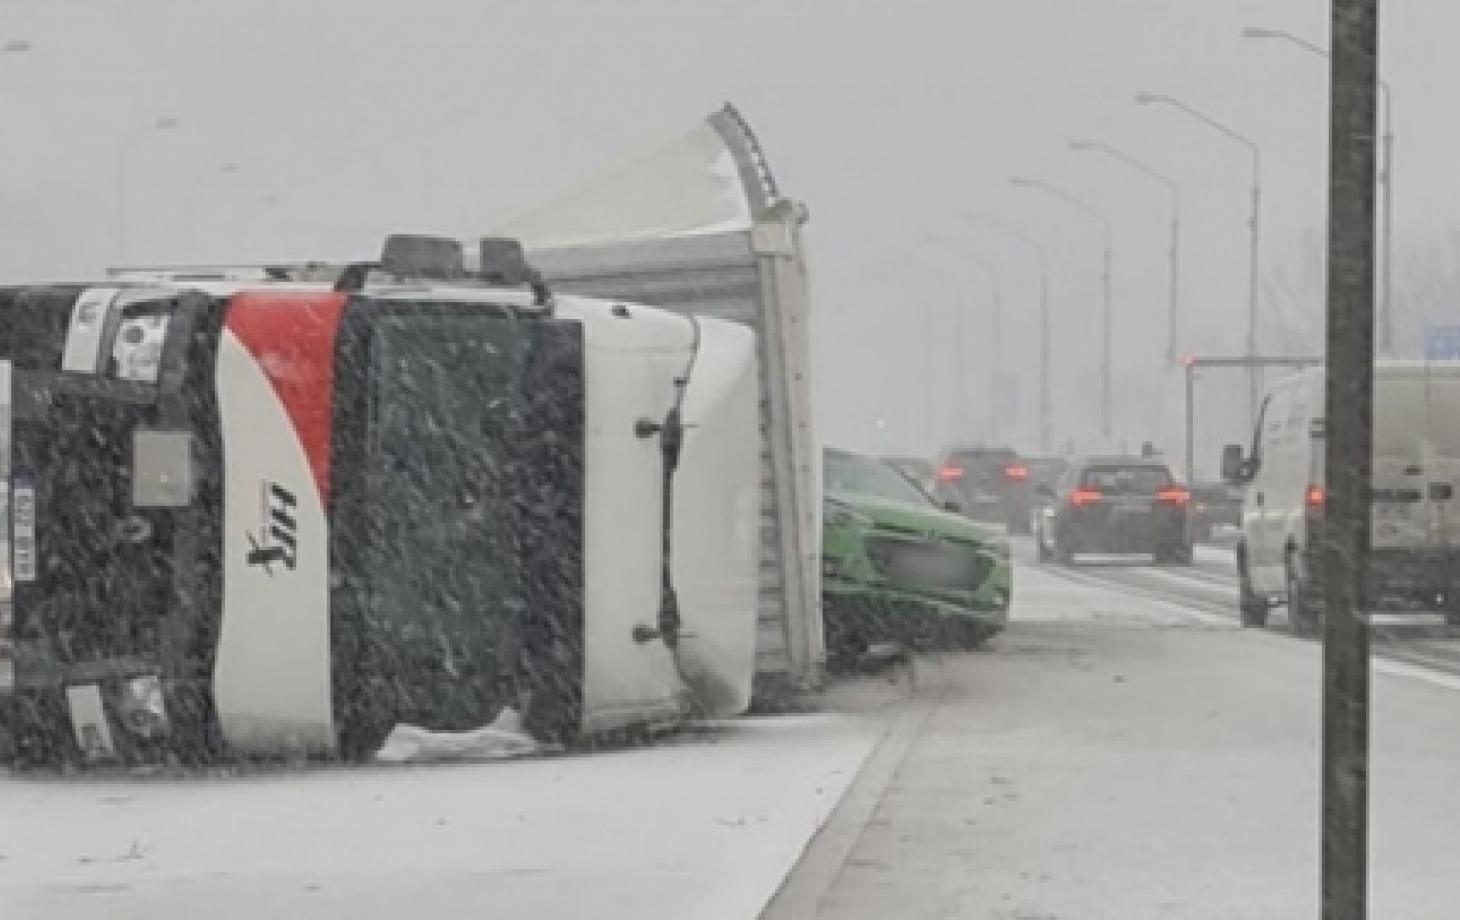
(349, 118)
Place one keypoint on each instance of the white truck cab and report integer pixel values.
(1415, 533)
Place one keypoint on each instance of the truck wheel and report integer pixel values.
(1252, 606)
(1303, 606)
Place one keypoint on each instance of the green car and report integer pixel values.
(897, 567)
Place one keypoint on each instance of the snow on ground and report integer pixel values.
(1111, 759)
(701, 827)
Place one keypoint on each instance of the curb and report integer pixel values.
(813, 875)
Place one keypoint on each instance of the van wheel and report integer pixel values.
(1252, 606)
(1452, 607)
(1064, 554)
(1304, 610)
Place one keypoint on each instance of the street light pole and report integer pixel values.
(123, 154)
(996, 323)
(1386, 184)
(1254, 225)
(1041, 254)
(1174, 190)
(190, 201)
(1104, 220)
(1345, 525)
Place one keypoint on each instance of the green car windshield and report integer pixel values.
(850, 474)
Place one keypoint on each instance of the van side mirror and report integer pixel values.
(1235, 469)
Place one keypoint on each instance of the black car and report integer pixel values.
(1213, 505)
(1115, 505)
(989, 483)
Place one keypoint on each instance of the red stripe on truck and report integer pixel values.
(292, 337)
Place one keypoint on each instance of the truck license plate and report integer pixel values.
(23, 544)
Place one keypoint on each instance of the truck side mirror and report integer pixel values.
(1234, 469)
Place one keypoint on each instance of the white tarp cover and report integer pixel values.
(502, 739)
(686, 187)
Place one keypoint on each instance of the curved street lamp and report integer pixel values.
(1100, 216)
(1386, 183)
(991, 270)
(1041, 255)
(1254, 226)
(123, 155)
(1174, 190)
(190, 201)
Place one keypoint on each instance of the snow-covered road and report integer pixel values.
(1126, 751)
(1123, 751)
(701, 827)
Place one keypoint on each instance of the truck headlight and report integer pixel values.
(142, 706)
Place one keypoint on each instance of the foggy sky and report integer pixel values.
(887, 118)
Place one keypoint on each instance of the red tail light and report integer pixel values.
(1314, 498)
(1016, 472)
(1085, 497)
(1174, 495)
(950, 473)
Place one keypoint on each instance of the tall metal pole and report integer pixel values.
(1105, 341)
(1386, 176)
(1254, 373)
(191, 199)
(1174, 255)
(1190, 431)
(995, 326)
(1046, 426)
(996, 372)
(1173, 321)
(123, 155)
(1107, 317)
(1347, 457)
(1386, 182)
(1041, 254)
(1254, 225)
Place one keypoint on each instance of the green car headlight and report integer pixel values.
(840, 514)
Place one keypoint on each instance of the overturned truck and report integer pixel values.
(699, 225)
(280, 513)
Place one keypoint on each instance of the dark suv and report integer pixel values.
(1116, 505)
(990, 483)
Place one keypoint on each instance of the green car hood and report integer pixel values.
(919, 518)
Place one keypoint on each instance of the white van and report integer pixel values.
(1415, 535)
